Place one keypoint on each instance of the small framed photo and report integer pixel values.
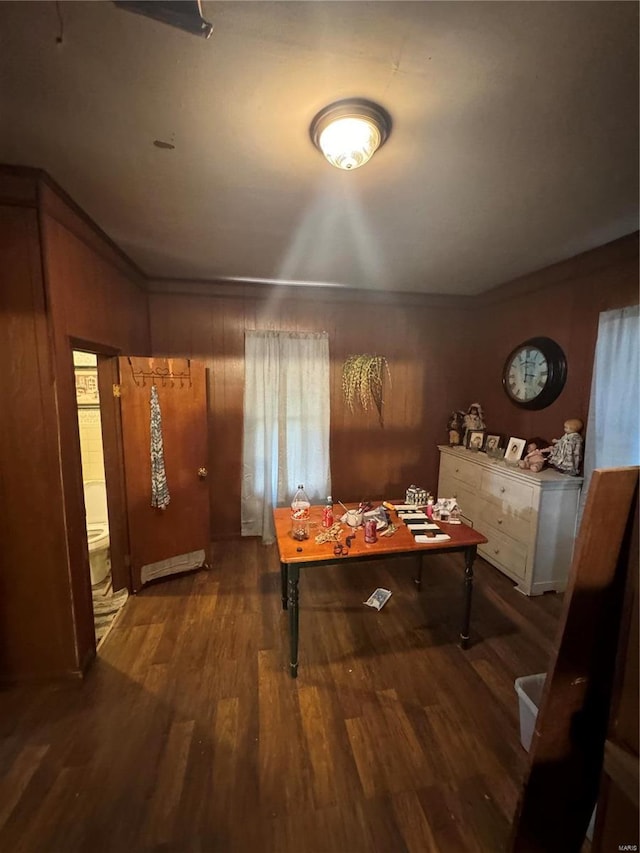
(475, 439)
(492, 444)
(514, 450)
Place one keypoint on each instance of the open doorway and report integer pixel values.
(107, 602)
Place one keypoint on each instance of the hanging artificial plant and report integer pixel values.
(362, 380)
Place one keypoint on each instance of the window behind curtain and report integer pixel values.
(286, 424)
(613, 432)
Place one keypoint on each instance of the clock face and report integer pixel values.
(528, 373)
(534, 373)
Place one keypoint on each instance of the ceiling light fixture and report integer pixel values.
(349, 132)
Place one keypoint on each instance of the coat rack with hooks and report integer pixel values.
(163, 372)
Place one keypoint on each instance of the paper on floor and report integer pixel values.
(378, 598)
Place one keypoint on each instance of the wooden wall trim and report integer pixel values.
(54, 203)
(18, 187)
(217, 288)
(595, 260)
(580, 266)
(24, 185)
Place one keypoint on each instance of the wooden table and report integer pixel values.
(295, 554)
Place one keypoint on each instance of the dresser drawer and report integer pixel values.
(506, 553)
(516, 498)
(467, 472)
(504, 518)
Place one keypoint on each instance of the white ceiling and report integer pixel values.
(514, 141)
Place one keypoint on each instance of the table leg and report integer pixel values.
(469, 557)
(418, 580)
(293, 576)
(283, 583)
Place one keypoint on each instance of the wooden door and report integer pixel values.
(568, 741)
(108, 379)
(174, 539)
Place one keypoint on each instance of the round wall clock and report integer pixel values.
(534, 373)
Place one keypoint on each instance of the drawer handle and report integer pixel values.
(502, 489)
(457, 470)
(499, 521)
(496, 550)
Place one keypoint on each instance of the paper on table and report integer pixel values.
(405, 507)
(418, 516)
(421, 525)
(425, 540)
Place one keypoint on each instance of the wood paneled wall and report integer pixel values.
(443, 354)
(562, 302)
(96, 296)
(36, 628)
(62, 280)
(425, 342)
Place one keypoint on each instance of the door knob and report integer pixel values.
(202, 473)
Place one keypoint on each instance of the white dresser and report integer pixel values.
(529, 519)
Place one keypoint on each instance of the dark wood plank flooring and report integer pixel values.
(189, 735)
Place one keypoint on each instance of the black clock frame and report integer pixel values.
(557, 376)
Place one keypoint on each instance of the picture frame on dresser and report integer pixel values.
(515, 449)
(475, 439)
(492, 444)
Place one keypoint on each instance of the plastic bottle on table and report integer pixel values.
(327, 513)
(300, 506)
(429, 510)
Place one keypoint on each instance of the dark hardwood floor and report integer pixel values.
(189, 735)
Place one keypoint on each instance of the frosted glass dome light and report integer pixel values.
(350, 132)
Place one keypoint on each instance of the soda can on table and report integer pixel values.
(327, 516)
(370, 528)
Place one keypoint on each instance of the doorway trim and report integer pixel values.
(113, 458)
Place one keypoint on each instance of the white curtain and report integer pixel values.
(286, 424)
(613, 433)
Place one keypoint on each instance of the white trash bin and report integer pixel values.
(529, 689)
